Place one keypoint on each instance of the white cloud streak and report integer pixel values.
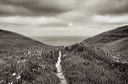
(108, 19)
(29, 20)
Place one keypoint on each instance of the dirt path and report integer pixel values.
(59, 70)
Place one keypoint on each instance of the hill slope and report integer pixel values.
(117, 49)
(101, 59)
(113, 43)
(26, 61)
(109, 36)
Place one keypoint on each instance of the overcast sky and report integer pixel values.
(62, 17)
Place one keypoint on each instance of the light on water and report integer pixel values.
(60, 41)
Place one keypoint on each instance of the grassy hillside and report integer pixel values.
(109, 36)
(101, 59)
(96, 60)
(117, 49)
(26, 61)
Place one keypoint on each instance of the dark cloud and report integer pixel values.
(35, 7)
(54, 7)
(110, 7)
(13, 10)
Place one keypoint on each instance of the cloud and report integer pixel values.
(31, 21)
(38, 7)
(71, 16)
(55, 7)
(110, 19)
(7, 10)
(87, 9)
(106, 6)
(49, 26)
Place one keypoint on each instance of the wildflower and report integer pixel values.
(10, 83)
(18, 62)
(1, 81)
(18, 77)
(14, 74)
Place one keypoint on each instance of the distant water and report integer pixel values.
(60, 41)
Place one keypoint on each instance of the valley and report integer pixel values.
(101, 59)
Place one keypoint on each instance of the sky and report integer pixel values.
(62, 17)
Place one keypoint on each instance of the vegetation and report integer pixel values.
(95, 60)
(101, 59)
(26, 61)
(92, 68)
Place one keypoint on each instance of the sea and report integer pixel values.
(60, 40)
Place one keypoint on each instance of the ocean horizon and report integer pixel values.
(60, 40)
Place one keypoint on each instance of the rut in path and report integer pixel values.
(60, 74)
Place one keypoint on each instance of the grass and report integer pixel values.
(33, 67)
(26, 61)
(90, 65)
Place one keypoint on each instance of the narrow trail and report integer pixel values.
(59, 70)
